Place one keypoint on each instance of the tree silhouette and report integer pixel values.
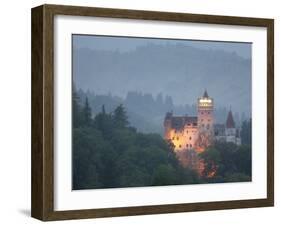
(246, 132)
(76, 114)
(87, 113)
(120, 117)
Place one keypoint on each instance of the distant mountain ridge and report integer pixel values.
(179, 71)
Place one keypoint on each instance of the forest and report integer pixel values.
(146, 112)
(108, 152)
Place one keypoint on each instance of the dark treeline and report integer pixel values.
(246, 132)
(108, 152)
(146, 112)
(230, 162)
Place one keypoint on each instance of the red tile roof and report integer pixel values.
(230, 121)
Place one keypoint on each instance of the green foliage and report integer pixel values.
(76, 114)
(87, 143)
(212, 159)
(165, 175)
(104, 123)
(246, 132)
(230, 162)
(120, 118)
(237, 177)
(108, 153)
(243, 159)
(86, 113)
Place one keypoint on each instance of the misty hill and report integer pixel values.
(179, 71)
(145, 112)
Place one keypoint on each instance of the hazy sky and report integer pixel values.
(182, 69)
(124, 44)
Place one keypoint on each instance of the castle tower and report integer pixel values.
(205, 107)
(205, 122)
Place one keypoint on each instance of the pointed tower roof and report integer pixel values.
(230, 121)
(205, 95)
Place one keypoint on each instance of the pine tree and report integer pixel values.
(246, 132)
(103, 110)
(120, 117)
(87, 113)
(76, 111)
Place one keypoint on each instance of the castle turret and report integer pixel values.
(230, 121)
(205, 113)
(205, 121)
(230, 130)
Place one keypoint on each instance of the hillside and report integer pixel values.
(179, 71)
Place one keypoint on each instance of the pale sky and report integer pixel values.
(124, 44)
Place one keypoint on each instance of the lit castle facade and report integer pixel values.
(191, 135)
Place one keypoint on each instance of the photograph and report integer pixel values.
(158, 112)
(139, 112)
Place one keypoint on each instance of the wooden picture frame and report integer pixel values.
(42, 205)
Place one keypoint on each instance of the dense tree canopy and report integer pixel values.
(108, 153)
(230, 162)
(246, 132)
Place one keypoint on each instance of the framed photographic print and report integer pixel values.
(141, 112)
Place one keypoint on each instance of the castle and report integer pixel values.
(191, 135)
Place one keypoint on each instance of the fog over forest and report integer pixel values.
(149, 74)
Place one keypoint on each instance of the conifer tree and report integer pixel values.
(120, 117)
(87, 113)
(246, 132)
(76, 111)
(103, 110)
